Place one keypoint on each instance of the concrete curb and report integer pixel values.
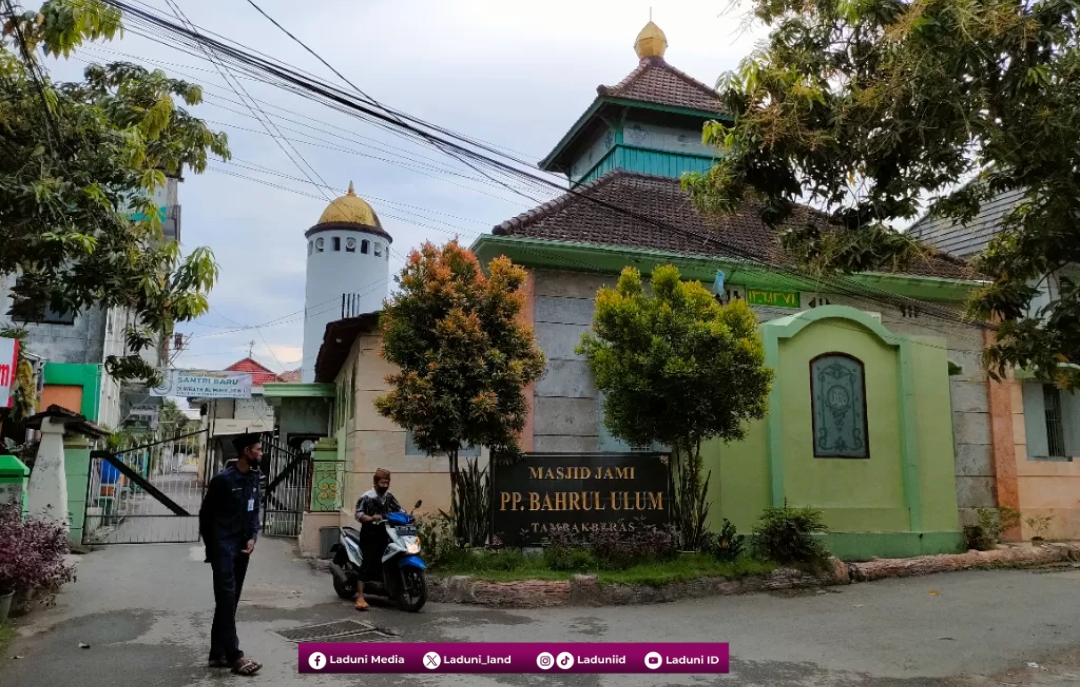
(586, 590)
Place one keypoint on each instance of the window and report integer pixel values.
(336, 242)
(1051, 423)
(838, 406)
(350, 245)
(1055, 422)
(27, 311)
(364, 245)
(318, 245)
(310, 247)
(378, 249)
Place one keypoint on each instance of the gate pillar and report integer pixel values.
(47, 497)
(327, 492)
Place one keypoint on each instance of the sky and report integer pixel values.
(514, 74)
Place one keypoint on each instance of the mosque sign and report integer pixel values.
(204, 384)
(579, 493)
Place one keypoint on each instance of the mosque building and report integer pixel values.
(894, 476)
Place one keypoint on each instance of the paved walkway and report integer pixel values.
(146, 611)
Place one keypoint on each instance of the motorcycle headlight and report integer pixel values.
(413, 548)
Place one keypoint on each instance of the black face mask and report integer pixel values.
(381, 490)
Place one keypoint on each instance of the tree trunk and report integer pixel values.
(455, 490)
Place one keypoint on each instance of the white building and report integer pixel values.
(348, 270)
(88, 338)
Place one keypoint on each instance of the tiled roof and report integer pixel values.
(260, 374)
(652, 200)
(290, 376)
(656, 81)
(965, 240)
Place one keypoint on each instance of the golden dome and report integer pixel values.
(651, 42)
(349, 209)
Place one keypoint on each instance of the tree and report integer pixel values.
(77, 160)
(463, 360)
(677, 368)
(864, 109)
(172, 422)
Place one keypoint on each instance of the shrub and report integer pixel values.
(638, 544)
(985, 534)
(436, 537)
(785, 536)
(976, 537)
(727, 545)
(33, 554)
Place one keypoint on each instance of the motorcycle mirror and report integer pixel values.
(418, 504)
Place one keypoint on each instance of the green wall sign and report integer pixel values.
(780, 299)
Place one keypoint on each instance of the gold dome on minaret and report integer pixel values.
(349, 209)
(651, 42)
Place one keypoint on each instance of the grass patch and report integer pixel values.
(508, 566)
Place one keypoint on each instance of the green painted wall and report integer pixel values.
(934, 436)
(77, 470)
(855, 494)
(739, 487)
(899, 502)
(75, 374)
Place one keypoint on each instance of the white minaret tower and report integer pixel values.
(348, 270)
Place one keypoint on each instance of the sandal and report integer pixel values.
(245, 666)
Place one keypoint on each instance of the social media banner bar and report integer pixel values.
(513, 657)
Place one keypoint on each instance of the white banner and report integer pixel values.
(204, 384)
(9, 367)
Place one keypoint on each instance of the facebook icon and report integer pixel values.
(317, 661)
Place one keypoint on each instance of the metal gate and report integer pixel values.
(285, 483)
(146, 494)
(286, 488)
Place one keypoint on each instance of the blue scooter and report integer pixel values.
(403, 577)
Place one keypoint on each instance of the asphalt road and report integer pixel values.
(145, 611)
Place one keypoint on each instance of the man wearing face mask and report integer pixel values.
(229, 525)
(371, 510)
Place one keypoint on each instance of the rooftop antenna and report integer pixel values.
(251, 348)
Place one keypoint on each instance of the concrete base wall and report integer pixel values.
(310, 527)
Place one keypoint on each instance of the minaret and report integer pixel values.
(348, 270)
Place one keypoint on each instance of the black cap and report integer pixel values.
(245, 441)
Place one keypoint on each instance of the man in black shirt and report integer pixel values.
(229, 525)
(371, 510)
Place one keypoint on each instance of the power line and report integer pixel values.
(322, 92)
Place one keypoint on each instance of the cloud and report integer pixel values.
(516, 75)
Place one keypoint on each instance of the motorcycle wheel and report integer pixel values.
(343, 589)
(413, 593)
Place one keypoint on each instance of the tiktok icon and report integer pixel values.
(317, 661)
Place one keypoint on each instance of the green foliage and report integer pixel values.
(785, 536)
(463, 360)
(474, 503)
(509, 565)
(677, 368)
(76, 159)
(864, 109)
(1039, 524)
(728, 544)
(991, 523)
(437, 538)
(172, 422)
